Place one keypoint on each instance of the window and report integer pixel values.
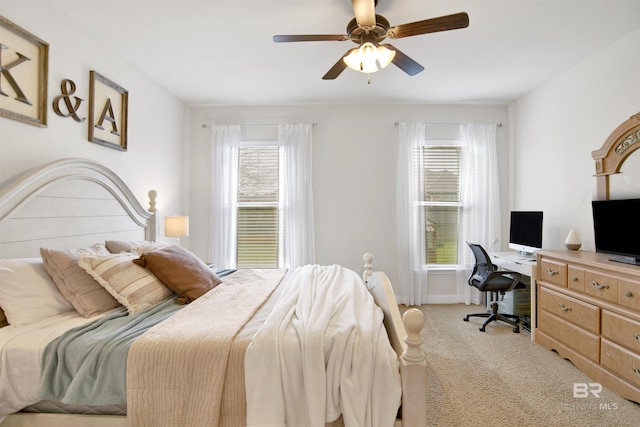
(262, 203)
(437, 168)
(258, 206)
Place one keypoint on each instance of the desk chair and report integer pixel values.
(487, 278)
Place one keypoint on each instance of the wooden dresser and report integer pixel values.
(589, 312)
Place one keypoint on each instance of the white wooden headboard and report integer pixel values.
(70, 203)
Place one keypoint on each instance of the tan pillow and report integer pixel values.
(181, 271)
(133, 286)
(133, 246)
(79, 288)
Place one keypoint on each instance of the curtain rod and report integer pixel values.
(396, 124)
(204, 125)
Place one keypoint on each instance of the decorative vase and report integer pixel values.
(572, 241)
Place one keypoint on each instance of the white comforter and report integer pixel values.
(21, 351)
(322, 352)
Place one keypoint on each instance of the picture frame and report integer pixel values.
(24, 58)
(108, 105)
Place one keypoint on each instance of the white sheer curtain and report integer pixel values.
(224, 161)
(298, 242)
(412, 271)
(480, 196)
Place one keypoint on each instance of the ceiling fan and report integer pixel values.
(367, 30)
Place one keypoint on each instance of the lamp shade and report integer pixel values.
(368, 57)
(176, 226)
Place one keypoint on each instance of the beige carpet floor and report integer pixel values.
(502, 378)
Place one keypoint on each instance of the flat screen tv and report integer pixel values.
(525, 231)
(617, 229)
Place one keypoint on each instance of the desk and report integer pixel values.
(524, 265)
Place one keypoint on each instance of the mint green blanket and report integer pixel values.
(87, 365)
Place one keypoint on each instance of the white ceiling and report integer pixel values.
(214, 52)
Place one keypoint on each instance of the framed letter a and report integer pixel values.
(107, 112)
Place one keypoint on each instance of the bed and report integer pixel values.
(77, 203)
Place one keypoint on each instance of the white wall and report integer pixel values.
(156, 121)
(558, 125)
(354, 172)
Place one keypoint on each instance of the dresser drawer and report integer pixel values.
(570, 335)
(629, 294)
(620, 330)
(575, 278)
(621, 361)
(580, 313)
(554, 272)
(601, 286)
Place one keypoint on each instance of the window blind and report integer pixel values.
(438, 170)
(258, 206)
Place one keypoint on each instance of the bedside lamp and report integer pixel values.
(176, 227)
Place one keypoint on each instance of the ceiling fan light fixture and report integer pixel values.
(385, 56)
(368, 57)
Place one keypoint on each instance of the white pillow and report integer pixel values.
(27, 292)
(133, 286)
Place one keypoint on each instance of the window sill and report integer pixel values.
(431, 268)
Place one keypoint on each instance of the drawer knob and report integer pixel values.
(599, 286)
(636, 336)
(563, 307)
(574, 278)
(551, 272)
(636, 371)
(628, 294)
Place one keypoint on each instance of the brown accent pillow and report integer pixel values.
(181, 271)
(79, 288)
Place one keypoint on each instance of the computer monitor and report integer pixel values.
(525, 231)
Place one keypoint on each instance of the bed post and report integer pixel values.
(368, 266)
(404, 335)
(413, 370)
(152, 231)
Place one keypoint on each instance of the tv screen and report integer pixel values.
(617, 229)
(525, 231)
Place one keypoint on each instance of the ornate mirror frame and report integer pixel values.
(623, 141)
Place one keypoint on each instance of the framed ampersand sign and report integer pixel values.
(107, 112)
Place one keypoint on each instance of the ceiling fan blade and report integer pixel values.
(405, 63)
(337, 68)
(310, 38)
(433, 25)
(365, 12)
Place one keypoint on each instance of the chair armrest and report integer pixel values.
(515, 279)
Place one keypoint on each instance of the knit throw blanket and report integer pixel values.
(176, 370)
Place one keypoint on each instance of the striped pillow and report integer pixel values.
(133, 286)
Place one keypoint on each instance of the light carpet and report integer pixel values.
(499, 377)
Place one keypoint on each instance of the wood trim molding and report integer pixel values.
(622, 142)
